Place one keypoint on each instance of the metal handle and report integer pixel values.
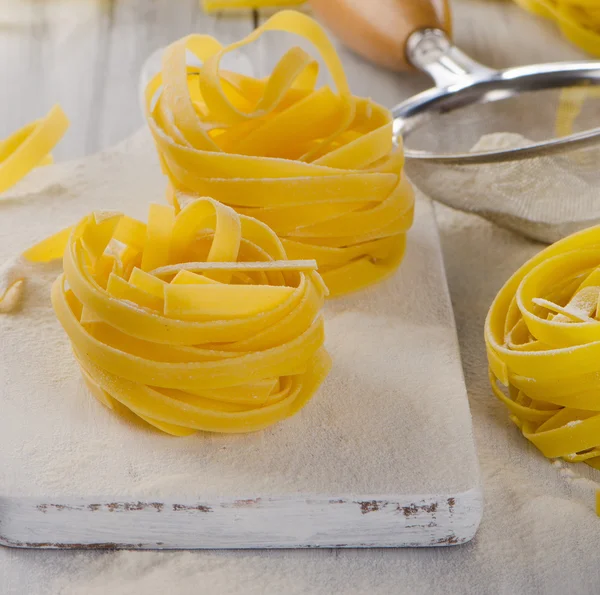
(431, 51)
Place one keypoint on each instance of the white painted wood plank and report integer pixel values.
(49, 51)
(86, 55)
(139, 27)
(263, 523)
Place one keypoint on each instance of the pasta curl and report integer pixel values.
(30, 146)
(316, 165)
(193, 321)
(543, 343)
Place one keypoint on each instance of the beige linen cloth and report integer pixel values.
(539, 532)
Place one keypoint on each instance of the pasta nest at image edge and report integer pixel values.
(315, 164)
(543, 342)
(194, 321)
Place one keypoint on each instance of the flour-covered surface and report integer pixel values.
(390, 422)
(539, 533)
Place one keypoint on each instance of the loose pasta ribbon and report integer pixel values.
(579, 20)
(30, 146)
(543, 343)
(193, 321)
(316, 165)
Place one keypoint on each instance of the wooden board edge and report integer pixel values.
(301, 521)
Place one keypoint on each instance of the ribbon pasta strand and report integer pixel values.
(193, 321)
(316, 165)
(543, 343)
(30, 146)
(24, 150)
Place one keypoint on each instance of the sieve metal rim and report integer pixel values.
(456, 75)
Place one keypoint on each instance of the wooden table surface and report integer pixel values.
(87, 54)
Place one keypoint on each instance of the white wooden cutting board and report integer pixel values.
(382, 456)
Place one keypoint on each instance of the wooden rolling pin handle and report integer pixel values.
(379, 29)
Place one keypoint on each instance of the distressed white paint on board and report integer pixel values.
(292, 522)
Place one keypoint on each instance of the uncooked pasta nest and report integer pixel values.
(543, 342)
(316, 165)
(195, 321)
(30, 146)
(579, 20)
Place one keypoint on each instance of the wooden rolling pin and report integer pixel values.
(379, 29)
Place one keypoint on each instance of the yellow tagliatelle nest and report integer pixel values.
(30, 146)
(543, 342)
(195, 321)
(316, 165)
(579, 20)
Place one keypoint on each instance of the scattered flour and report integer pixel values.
(534, 518)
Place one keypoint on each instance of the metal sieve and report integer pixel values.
(518, 146)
